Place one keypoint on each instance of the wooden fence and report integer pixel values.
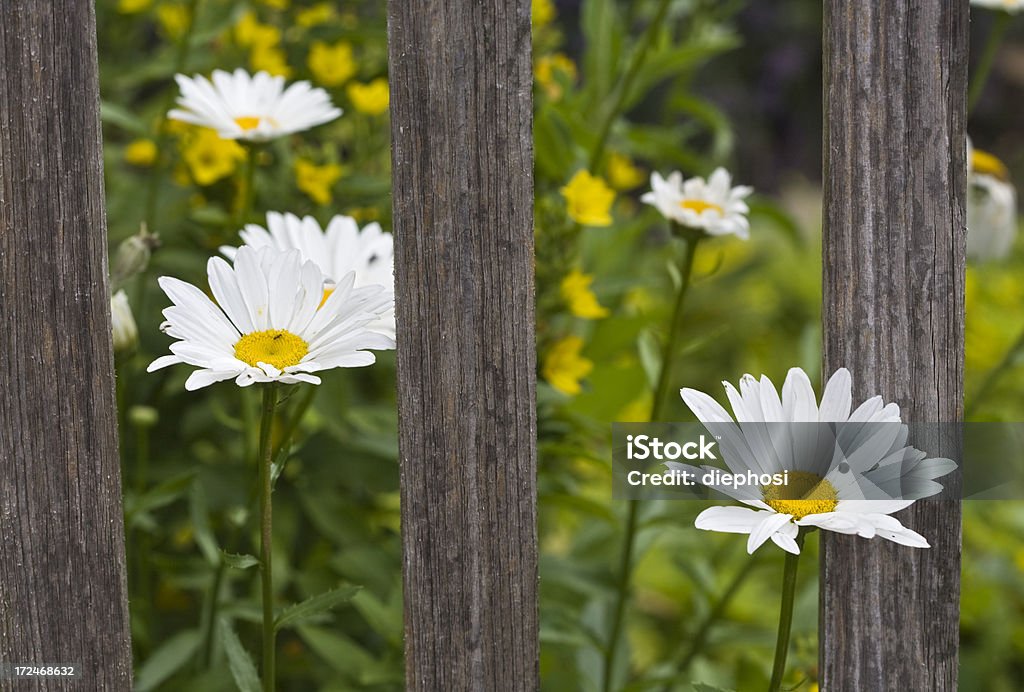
(62, 565)
(894, 245)
(462, 152)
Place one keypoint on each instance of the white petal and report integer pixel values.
(763, 531)
(728, 519)
(798, 398)
(837, 398)
(203, 378)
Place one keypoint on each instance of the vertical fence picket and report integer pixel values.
(62, 565)
(894, 243)
(462, 153)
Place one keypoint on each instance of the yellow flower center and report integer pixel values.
(277, 347)
(984, 162)
(248, 122)
(806, 493)
(700, 206)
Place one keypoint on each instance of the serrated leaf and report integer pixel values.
(317, 605)
(239, 561)
(166, 660)
(243, 670)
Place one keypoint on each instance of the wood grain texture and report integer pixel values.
(894, 244)
(62, 565)
(462, 155)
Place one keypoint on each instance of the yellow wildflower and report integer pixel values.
(276, 4)
(371, 98)
(133, 6)
(331, 65)
(564, 367)
(589, 199)
(140, 152)
(637, 301)
(623, 174)
(174, 19)
(581, 300)
(542, 12)
(250, 32)
(210, 158)
(636, 411)
(320, 13)
(270, 59)
(553, 72)
(364, 214)
(316, 181)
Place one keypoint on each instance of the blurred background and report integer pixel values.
(621, 89)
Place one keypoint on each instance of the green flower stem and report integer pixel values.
(210, 616)
(691, 238)
(625, 84)
(1000, 24)
(297, 415)
(699, 639)
(785, 615)
(156, 178)
(994, 375)
(245, 188)
(266, 550)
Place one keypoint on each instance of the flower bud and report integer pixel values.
(143, 416)
(133, 256)
(126, 334)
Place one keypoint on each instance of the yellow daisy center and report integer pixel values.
(248, 122)
(806, 493)
(277, 347)
(700, 206)
(984, 162)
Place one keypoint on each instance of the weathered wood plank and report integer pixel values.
(462, 153)
(62, 563)
(895, 186)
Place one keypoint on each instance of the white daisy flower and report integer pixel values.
(1005, 5)
(126, 333)
(255, 108)
(339, 249)
(271, 322)
(837, 492)
(714, 207)
(991, 207)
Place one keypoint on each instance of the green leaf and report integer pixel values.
(277, 466)
(315, 606)
(166, 660)
(239, 561)
(202, 532)
(650, 356)
(349, 660)
(552, 143)
(117, 116)
(762, 208)
(385, 618)
(602, 33)
(163, 494)
(242, 668)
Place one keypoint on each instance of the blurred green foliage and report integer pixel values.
(622, 89)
